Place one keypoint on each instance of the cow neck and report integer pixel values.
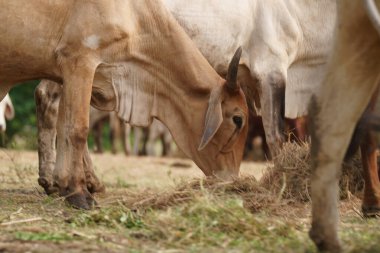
(171, 81)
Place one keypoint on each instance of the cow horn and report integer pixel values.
(233, 71)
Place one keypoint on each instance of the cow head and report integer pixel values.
(226, 125)
(208, 121)
(6, 112)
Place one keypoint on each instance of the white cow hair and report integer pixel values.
(92, 42)
(6, 111)
(291, 37)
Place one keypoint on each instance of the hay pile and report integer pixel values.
(254, 196)
(188, 191)
(290, 174)
(286, 182)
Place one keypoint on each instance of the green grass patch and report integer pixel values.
(219, 224)
(42, 236)
(113, 217)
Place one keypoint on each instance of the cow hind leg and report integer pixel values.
(47, 95)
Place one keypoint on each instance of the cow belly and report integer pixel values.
(303, 82)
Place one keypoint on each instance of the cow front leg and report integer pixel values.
(72, 133)
(324, 184)
(324, 231)
(126, 143)
(272, 109)
(92, 181)
(98, 137)
(47, 96)
(114, 131)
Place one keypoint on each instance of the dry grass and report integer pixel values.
(198, 215)
(286, 182)
(255, 197)
(290, 175)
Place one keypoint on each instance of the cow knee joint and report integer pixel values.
(78, 135)
(276, 80)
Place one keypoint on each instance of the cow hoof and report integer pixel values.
(371, 211)
(81, 200)
(323, 245)
(48, 187)
(96, 187)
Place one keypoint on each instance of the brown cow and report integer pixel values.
(118, 130)
(344, 95)
(132, 57)
(364, 137)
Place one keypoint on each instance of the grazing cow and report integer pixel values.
(350, 82)
(129, 56)
(47, 96)
(118, 130)
(7, 112)
(157, 131)
(144, 138)
(97, 120)
(285, 44)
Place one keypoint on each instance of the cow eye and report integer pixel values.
(55, 96)
(238, 121)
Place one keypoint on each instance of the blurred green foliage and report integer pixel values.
(22, 130)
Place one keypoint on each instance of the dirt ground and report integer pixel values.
(203, 221)
(152, 172)
(21, 197)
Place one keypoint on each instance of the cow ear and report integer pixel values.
(214, 118)
(9, 111)
(103, 96)
(103, 99)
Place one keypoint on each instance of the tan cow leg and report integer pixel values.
(72, 133)
(352, 79)
(115, 131)
(92, 181)
(125, 135)
(47, 96)
(97, 131)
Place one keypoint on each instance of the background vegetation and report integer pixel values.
(22, 130)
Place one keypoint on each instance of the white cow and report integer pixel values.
(6, 112)
(352, 78)
(285, 43)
